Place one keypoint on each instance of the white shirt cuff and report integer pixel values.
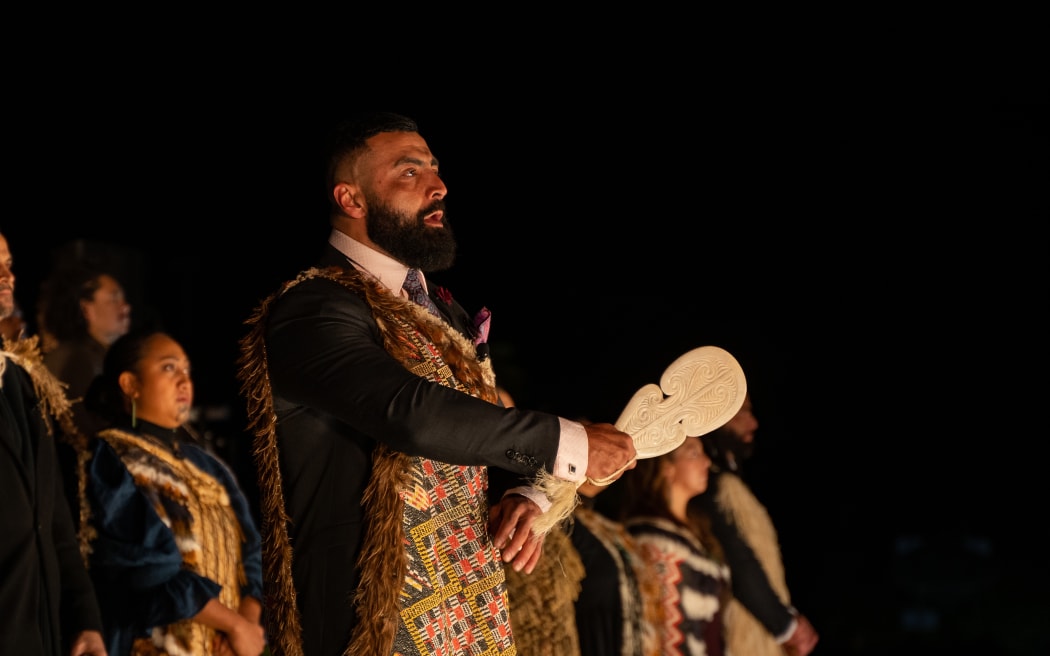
(532, 494)
(788, 632)
(571, 461)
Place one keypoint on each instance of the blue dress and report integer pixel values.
(173, 531)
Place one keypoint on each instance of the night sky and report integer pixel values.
(873, 254)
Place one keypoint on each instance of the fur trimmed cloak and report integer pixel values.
(431, 582)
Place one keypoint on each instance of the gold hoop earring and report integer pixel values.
(134, 420)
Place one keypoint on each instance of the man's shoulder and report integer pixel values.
(732, 490)
(21, 356)
(23, 372)
(11, 371)
(330, 284)
(316, 293)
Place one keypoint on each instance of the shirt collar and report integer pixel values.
(384, 268)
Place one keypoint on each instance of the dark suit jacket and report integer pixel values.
(46, 596)
(337, 393)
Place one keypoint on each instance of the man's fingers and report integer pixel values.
(527, 557)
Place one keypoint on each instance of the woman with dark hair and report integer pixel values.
(677, 541)
(175, 553)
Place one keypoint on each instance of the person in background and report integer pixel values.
(592, 592)
(619, 610)
(760, 620)
(542, 602)
(377, 425)
(175, 554)
(84, 310)
(677, 541)
(47, 601)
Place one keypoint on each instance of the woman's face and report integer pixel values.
(162, 388)
(688, 466)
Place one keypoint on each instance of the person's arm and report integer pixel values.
(251, 610)
(325, 350)
(135, 547)
(80, 613)
(247, 638)
(750, 584)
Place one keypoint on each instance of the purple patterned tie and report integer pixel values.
(415, 292)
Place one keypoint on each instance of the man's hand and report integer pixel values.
(510, 523)
(610, 453)
(803, 640)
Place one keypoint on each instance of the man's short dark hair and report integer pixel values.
(350, 135)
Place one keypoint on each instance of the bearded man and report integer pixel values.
(377, 420)
(47, 601)
(759, 620)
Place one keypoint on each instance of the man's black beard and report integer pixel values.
(727, 451)
(408, 239)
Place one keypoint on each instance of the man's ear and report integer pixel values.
(350, 199)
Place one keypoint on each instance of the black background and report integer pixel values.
(865, 233)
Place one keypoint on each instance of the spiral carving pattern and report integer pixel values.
(699, 392)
